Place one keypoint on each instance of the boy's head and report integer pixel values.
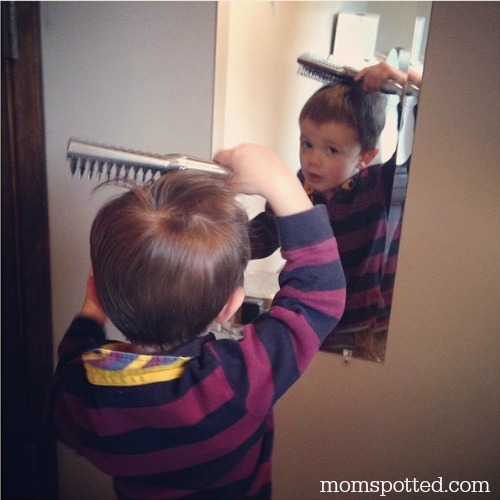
(167, 256)
(340, 127)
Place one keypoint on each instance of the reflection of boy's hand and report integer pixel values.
(374, 77)
(258, 170)
(91, 306)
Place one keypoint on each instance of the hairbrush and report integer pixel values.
(328, 72)
(118, 163)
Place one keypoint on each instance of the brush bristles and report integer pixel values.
(106, 171)
(318, 75)
(322, 69)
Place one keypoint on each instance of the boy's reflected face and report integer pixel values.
(330, 153)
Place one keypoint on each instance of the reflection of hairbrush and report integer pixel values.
(117, 163)
(327, 72)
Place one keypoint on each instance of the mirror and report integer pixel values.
(356, 43)
(263, 97)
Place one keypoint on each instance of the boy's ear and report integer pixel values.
(366, 157)
(91, 306)
(91, 293)
(232, 305)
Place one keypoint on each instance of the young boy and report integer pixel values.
(340, 126)
(175, 413)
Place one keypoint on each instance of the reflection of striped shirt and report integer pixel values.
(358, 212)
(198, 423)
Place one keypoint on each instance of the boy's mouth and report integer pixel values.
(314, 177)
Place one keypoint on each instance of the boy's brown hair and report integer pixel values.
(166, 256)
(348, 103)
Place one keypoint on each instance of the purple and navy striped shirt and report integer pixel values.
(358, 211)
(197, 422)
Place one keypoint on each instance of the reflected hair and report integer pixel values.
(166, 256)
(348, 103)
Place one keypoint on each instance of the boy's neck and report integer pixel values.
(149, 350)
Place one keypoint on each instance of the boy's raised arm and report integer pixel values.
(280, 344)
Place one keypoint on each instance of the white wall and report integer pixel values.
(132, 74)
(433, 408)
(258, 91)
(403, 29)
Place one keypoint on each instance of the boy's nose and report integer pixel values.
(315, 157)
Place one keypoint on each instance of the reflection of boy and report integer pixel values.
(175, 413)
(340, 127)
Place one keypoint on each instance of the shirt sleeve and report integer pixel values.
(387, 172)
(82, 335)
(264, 240)
(264, 237)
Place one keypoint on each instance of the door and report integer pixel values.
(28, 451)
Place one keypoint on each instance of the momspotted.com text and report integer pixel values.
(407, 485)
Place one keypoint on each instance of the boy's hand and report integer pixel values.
(375, 76)
(258, 170)
(91, 307)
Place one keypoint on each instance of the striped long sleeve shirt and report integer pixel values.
(358, 211)
(197, 422)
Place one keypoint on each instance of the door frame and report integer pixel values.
(29, 459)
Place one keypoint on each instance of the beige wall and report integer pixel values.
(433, 409)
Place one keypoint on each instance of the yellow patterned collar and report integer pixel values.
(115, 365)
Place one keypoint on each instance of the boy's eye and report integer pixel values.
(305, 144)
(331, 150)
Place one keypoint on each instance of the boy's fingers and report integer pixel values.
(223, 157)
